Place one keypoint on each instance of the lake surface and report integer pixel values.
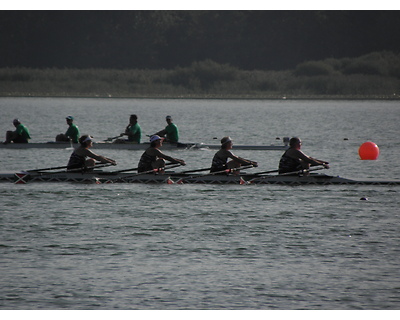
(174, 247)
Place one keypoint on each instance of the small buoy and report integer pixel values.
(345, 139)
(364, 198)
(277, 138)
(215, 138)
(368, 151)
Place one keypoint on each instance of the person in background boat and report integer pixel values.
(294, 159)
(79, 157)
(171, 131)
(72, 134)
(220, 161)
(153, 158)
(20, 135)
(133, 131)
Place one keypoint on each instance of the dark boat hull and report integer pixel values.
(105, 177)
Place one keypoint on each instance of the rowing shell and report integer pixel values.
(135, 146)
(106, 177)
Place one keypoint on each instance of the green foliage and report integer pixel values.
(328, 78)
(313, 68)
(376, 63)
(203, 75)
(364, 67)
(15, 75)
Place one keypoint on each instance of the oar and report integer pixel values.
(22, 175)
(44, 169)
(284, 174)
(124, 170)
(167, 166)
(181, 180)
(110, 139)
(133, 169)
(196, 170)
(171, 165)
(99, 165)
(270, 171)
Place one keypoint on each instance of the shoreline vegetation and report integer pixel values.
(372, 76)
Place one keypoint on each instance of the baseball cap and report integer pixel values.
(155, 138)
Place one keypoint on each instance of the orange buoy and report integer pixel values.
(368, 151)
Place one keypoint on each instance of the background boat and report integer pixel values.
(133, 146)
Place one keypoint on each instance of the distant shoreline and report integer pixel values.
(320, 98)
(372, 77)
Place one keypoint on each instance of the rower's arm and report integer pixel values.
(97, 157)
(166, 157)
(126, 130)
(161, 133)
(242, 161)
(312, 161)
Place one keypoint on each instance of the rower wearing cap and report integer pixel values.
(153, 158)
(20, 135)
(78, 157)
(72, 134)
(171, 131)
(294, 159)
(220, 160)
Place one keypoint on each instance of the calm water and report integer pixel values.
(131, 246)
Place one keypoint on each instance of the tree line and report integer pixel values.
(372, 76)
(248, 40)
